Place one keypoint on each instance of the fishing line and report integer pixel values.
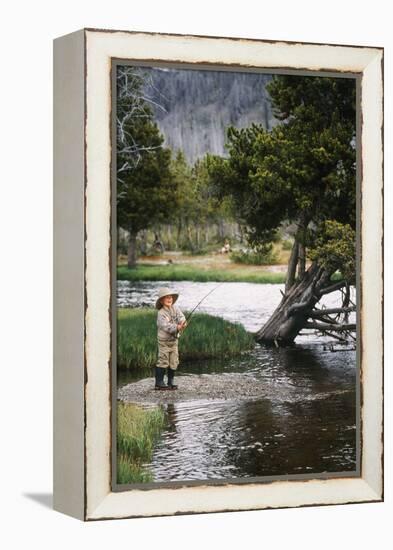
(198, 304)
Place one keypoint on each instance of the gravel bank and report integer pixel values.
(228, 386)
(195, 387)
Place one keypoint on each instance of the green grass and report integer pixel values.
(336, 277)
(206, 337)
(137, 431)
(192, 273)
(136, 338)
(254, 258)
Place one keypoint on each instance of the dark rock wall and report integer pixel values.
(196, 106)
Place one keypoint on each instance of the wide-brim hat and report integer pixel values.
(165, 292)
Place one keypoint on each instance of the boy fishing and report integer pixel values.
(170, 323)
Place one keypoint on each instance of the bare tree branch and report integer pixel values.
(133, 85)
(339, 338)
(326, 326)
(316, 313)
(331, 288)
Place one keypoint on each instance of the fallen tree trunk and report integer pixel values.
(298, 306)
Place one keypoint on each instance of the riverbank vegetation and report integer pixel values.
(137, 431)
(210, 337)
(265, 255)
(189, 272)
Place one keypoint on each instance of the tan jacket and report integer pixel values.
(167, 320)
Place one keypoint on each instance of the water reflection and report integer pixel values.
(218, 440)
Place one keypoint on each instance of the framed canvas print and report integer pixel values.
(218, 330)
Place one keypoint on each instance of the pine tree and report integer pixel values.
(302, 171)
(146, 192)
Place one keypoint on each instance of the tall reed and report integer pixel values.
(137, 431)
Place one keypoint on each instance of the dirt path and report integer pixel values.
(216, 262)
(209, 261)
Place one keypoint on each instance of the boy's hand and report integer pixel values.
(182, 325)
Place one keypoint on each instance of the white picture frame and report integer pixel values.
(83, 281)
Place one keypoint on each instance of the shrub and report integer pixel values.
(287, 244)
(263, 256)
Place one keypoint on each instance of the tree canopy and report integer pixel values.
(146, 192)
(304, 169)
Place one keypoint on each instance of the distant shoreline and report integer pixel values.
(192, 272)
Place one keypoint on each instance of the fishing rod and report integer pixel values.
(198, 304)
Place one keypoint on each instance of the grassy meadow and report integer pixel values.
(191, 272)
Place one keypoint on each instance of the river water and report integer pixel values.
(307, 425)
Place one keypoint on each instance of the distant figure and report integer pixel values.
(158, 244)
(226, 248)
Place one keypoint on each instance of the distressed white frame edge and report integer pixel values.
(68, 275)
(101, 46)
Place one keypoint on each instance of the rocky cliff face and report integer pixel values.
(193, 108)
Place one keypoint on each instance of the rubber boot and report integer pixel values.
(160, 385)
(171, 377)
